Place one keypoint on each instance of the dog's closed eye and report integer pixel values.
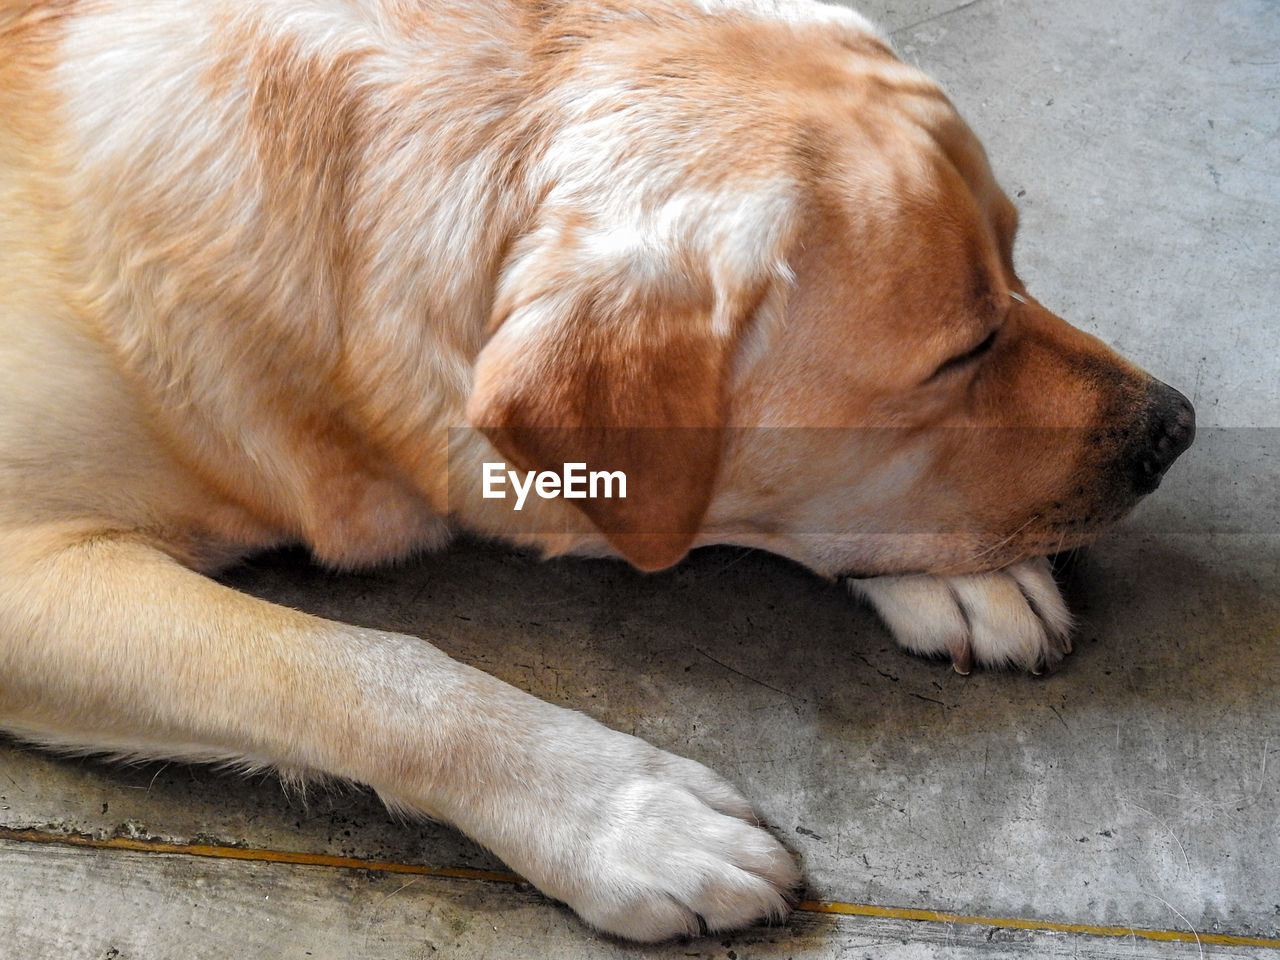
(962, 360)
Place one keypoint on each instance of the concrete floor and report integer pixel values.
(1134, 788)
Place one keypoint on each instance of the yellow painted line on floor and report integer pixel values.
(1048, 926)
(249, 853)
(466, 873)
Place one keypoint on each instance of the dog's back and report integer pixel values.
(194, 205)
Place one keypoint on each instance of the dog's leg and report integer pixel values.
(1010, 617)
(107, 643)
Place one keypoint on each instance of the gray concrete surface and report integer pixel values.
(1136, 787)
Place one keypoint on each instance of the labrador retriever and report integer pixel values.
(353, 273)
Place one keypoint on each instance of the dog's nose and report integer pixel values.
(1171, 426)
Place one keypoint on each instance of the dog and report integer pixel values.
(357, 273)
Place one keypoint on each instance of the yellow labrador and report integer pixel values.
(357, 273)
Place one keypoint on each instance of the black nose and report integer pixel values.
(1170, 428)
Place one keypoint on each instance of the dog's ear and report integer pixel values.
(612, 346)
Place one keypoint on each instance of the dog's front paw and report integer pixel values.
(1010, 617)
(647, 845)
(677, 852)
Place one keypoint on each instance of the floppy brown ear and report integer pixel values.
(621, 365)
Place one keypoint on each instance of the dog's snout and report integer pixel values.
(1171, 426)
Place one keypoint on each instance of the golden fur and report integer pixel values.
(294, 270)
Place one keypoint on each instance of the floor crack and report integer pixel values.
(937, 16)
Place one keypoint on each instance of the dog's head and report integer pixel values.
(770, 277)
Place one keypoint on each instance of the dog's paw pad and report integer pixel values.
(1009, 617)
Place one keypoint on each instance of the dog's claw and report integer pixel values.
(961, 656)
